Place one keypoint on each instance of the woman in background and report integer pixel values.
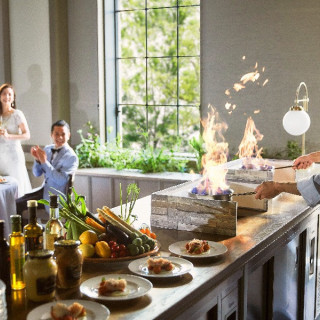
(13, 129)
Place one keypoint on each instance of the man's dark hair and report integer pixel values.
(60, 123)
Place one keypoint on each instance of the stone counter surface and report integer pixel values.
(170, 297)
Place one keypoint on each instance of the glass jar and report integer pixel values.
(69, 260)
(40, 271)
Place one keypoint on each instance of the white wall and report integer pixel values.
(283, 36)
(83, 64)
(30, 65)
(2, 74)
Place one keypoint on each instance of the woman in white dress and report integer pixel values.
(13, 129)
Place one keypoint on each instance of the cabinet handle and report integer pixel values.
(311, 267)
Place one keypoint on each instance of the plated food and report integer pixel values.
(197, 246)
(176, 267)
(60, 311)
(135, 287)
(3, 180)
(216, 249)
(93, 310)
(156, 265)
(109, 286)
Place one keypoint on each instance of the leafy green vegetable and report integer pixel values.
(132, 195)
(73, 210)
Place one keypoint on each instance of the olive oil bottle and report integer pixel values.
(33, 231)
(54, 228)
(17, 253)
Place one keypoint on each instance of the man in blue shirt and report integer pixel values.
(56, 162)
(308, 188)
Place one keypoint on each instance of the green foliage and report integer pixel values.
(93, 154)
(199, 149)
(151, 89)
(293, 150)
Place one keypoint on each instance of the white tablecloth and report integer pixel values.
(8, 195)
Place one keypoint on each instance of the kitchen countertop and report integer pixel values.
(169, 296)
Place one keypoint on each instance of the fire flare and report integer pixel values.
(214, 174)
(249, 151)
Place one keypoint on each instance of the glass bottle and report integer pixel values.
(17, 253)
(40, 271)
(54, 228)
(5, 258)
(69, 261)
(33, 231)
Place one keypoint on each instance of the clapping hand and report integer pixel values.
(39, 154)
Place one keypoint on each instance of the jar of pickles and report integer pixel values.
(69, 260)
(40, 271)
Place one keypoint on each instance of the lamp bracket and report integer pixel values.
(305, 98)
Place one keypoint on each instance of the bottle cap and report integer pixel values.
(53, 201)
(32, 203)
(15, 222)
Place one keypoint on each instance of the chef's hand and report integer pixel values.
(267, 190)
(303, 162)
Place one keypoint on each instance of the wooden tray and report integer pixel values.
(99, 260)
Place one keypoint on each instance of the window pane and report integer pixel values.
(162, 32)
(130, 4)
(162, 81)
(131, 34)
(132, 81)
(133, 120)
(188, 2)
(162, 3)
(162, 126)
(189, 31)
(189, 126)
(189, 80)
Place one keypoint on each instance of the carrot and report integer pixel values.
(102, 218)
(94, 224)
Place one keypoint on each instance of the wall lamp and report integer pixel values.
(297, 121)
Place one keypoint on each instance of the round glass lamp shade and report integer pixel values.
(296, 122)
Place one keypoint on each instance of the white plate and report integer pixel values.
(136, 287)
(216, 249)
(94, 310)
(181, 266)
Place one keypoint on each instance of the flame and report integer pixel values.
(214, 175)
(248, 148)
(252, 76)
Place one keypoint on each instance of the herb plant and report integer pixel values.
(93, 154)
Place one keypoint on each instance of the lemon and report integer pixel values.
(87, 250)
(88, 236)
